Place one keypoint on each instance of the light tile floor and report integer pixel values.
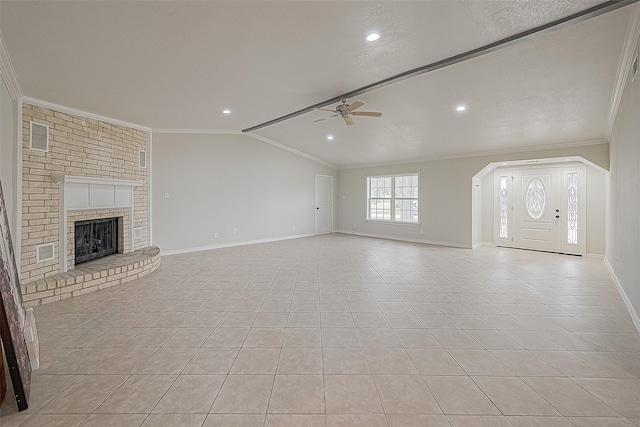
(339, 330)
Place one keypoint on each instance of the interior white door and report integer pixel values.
(324, 204)
(537, 199)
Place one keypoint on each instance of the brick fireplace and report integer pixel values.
(122, 216)
(88, 198)
(80, 168)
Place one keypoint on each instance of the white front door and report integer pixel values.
(541, 208)
(324, 204)
(536, 212)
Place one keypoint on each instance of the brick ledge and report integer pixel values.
(92, 276)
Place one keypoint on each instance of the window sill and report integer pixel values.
(404, 224)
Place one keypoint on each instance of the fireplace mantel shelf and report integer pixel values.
(72, 179)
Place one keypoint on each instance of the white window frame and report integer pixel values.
(392, 219)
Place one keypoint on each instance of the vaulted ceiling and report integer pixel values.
(178, 64)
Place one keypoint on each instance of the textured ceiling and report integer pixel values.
(178, 64)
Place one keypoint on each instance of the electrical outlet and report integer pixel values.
(166, 195)
(293, 228)
(215, 235)
(235, 231)
(421, 231)
(355, 225)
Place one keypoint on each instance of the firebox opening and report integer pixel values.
(95, 239)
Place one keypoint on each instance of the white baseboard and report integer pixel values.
(231, 244)
(485, 245)
(598, 256)
(402, 239)
(623, 294)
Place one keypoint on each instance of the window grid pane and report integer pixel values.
(393, 198)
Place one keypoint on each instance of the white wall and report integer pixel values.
(595, 209)
(445, 194)
(487, 184)
(8, 120)
(623, 228)
(220, 182)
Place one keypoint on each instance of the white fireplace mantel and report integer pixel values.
(86, 192)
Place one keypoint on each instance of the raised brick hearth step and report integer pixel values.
(92, 276)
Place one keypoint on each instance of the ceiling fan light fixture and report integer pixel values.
(373, 37)
(345, 111)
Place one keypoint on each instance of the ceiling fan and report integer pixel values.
(345, 111)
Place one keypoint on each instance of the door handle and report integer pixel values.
(557, 216)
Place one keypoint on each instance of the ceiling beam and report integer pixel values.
(592, 12)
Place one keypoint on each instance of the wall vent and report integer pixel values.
(44, 252)
(39, 137)
(634, 68)
(142, 161)
(137, 233)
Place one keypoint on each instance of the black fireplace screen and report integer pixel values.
(95, 238)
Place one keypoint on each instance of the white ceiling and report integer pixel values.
(176, 65)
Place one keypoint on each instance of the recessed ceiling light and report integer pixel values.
(330, 137)
(461, 108)
(226, 111)
(373, 37)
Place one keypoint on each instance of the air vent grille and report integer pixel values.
(137, 233)
(39, 137)
(143, 159)
(44, 252)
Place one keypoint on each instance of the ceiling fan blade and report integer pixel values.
(367, 113)
(355, 105)
(325, 118)
(325, 109)
(348, 120)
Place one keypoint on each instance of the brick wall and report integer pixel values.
(77, 146)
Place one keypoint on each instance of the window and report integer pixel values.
(393, 198)
(504, 207)
(572, 209)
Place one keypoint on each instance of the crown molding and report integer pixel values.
(80, 113)
(537, 162)
(292, 150)
(199, 131)
(484, 153)
(629, 51)
(8, 73)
